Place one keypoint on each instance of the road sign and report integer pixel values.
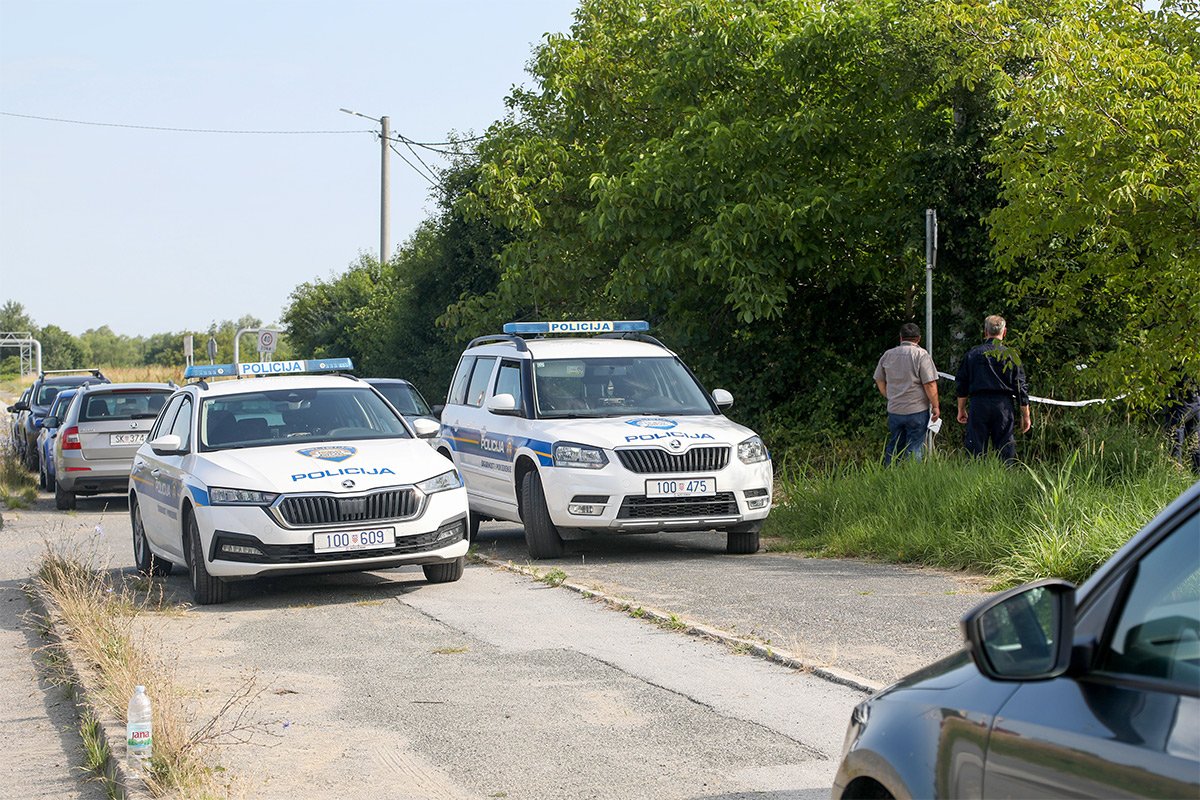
(266, 341)
(187, 345)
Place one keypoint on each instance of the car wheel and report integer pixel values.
(31, 458)
(472, 527)
(63, 500)
(541, 537)
(206, 589)
(444, 573)
(741, 543)
(43, 482)
(147, 562)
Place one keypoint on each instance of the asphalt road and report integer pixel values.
(500, 686)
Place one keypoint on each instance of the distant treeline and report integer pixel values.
(101, 347)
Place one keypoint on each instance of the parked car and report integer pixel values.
(602, 433)
(18, 410)
(47, 386)
(294, 474)
(46, 434)
(405, 398)
(1060, 692)
(104, 426)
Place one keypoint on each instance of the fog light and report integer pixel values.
(758, 503)
(585, 509)
(241, 550)
(455, 530)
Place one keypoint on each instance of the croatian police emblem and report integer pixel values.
(328, 453)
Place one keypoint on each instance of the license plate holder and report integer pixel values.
(681, 487)
(352, 541)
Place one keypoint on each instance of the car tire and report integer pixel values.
(43, 481)
(147, 562)
(31, 459)
(472, 527)
(444, 573)
(63, 500)
(207, 590)
(741, 543)
(541, 537)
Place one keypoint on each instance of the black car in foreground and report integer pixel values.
(1059, 692)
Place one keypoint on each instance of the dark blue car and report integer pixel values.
(47, 431)
(1060, 692)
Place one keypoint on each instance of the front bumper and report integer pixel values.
(627, 509)
(437, 536)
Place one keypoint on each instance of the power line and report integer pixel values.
(432, 181)
(409, 143)
(171, 130)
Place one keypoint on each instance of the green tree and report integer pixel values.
(1098, 224)
(60, 350)
(320, 314)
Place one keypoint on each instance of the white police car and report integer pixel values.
(296, 474)
(605, 433)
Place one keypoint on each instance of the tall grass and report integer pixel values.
(1059, 518)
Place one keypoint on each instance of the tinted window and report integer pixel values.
(508, 381)
(405, 398)
(46, 395)
(1158, 632)
(458, 386)
(123, 404)
(299, 416)
(479, 380)
(61, 403)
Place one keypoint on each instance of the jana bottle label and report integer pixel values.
(138, 736)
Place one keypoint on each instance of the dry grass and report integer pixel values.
(18, 487)
(96, 616)
(152, 373)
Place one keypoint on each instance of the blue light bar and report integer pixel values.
(269, 368)
(576, 326)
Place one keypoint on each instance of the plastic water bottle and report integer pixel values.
(139, 737)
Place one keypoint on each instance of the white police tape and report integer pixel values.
(1048, 401)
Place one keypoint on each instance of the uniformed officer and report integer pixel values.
(990, 377)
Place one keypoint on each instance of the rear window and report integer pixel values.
(405, 398)
(123, 404)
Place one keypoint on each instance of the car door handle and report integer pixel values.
(155, 471)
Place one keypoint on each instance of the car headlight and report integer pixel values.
(441, 483)
(567, 454)
(752, 451)
(240, 497)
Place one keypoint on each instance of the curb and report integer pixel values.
(698, 629)
(121, 782)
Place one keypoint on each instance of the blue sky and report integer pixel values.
(150, 231)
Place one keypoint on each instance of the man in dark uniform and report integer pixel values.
(990, 376)
(1183, 422)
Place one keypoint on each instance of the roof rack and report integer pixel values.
(95, 371)
(641, 337)
(501, 338)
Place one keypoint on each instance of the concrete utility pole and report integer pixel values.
(385, 207)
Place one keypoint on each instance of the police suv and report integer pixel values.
(605, 433)
(290, 474)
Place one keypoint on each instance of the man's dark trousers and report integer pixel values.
(990, 421)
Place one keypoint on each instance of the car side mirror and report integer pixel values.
(50, 422)
(1024, 634)
(504, 404)
(426, 428)
(20, 405)
(168, 445)
(722, 398)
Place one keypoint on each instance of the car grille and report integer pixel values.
(638, 507)
(652, 460)
(309, 510)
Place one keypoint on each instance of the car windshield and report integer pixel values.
(325, 414)
(613, 387)
(404, 397)
(122, 404)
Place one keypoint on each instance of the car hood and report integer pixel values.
(640, 430)
(336, 467)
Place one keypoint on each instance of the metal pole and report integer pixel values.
(384, 192)
(931, 232)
